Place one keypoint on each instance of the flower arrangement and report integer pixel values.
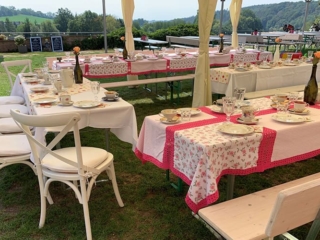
(278, 40)
(125, 51)
(316, 58)
(221, 35)
(76, 50)
(123, 39)
(19, 40)
(3, 37)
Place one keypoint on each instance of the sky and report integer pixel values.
(146, 9)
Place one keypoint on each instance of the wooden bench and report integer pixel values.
(170, 80)
(267, 213)
(270, 92)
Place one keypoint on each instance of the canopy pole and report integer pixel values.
(305, 16)
(104, 26)
(221, 16)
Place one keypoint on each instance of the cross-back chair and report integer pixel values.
(67, 165)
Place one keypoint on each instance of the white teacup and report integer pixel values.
(65, 99)
(300, 106)
(111, 94)
(248, 113)
(169, 113)
(281, 97)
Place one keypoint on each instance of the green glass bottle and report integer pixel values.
(311, 90)
(78, 76)
(125, 52)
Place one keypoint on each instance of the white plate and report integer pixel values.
(152, 59)
(39, 89)
(236, 129)
(173, 121)
(28, 74)
(86, 104)
(31, 80)
(264, 67)
(288, 118)
(218, 53)
(45, 100)
(194, 111)
(216, 109)
(254, 121)
(289, 64)
(305, 112)
(241, 69)
(110, 99)
(65, 105)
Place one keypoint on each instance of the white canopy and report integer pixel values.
(235, 9)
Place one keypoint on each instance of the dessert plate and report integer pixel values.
(288, 118)
(194, 111)
(28, 74)
(289, 64)
(86, 104)
(264, 67)
(236, 129)
(110, 99)
(32, 80)
(253, 122)
(240, 69)
(174, 120)
(45, 100)
(39, 89)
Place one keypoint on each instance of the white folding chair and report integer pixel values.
(10, 66)
(5, 109)
(67, 165)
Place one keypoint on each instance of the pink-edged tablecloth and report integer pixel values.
(198, 153)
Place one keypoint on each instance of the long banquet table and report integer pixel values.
(99, 68)
(118, 116)
(198, 153)
(224, 80)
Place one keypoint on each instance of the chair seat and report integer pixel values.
(5, 109)
(14, 145)
(92, 157)
(11, 100)
(8, 125)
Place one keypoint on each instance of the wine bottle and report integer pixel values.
(78, 76)
(125, 52)
(311, 89)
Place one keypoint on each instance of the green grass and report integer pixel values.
(153, 209)
(22, 18)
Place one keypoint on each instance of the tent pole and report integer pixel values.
(104, 26)
(221, 16)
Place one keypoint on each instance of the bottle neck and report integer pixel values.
(77, 59)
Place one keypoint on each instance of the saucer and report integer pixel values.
(254, 121)
(65, 105)
(304, 112)
(110, 99)
(174, 120)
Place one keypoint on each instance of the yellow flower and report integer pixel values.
(76, 50)
(122, 38)
(278, 40)
(221, 35)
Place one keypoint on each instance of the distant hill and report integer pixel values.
(22, 18)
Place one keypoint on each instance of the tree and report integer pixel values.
(9, 26)
(27, 28)
(62, 19)
(112, 23)
(48, 26)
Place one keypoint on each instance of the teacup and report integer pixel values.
(169, 113)
(281, 97)
(299, 106)
(248, 113)
(111, 94)
(65, 99)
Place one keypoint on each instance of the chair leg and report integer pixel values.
(112, 175)
(85, 208)
(43, 201)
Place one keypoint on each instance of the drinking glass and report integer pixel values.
(116, 52)
(289, 57)
(95, 89)
(292, 96)
(310, 54)
(68, 56)
(239, 95)
(228, 106)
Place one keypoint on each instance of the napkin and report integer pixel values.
(258, 129)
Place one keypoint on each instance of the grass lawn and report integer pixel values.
(153, 209)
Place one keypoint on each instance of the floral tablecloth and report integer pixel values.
(199, 154)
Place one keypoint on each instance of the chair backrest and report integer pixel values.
(11, 70)
(68, 122)
(294, 207)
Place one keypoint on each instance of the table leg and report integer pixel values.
(177, 186)
(230, 186)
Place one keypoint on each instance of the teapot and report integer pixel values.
(67, 77)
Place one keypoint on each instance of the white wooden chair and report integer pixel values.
(67, 165)
(268, 213)
(10, 65)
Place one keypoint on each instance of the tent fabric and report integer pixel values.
(202, 85)
(235, 9)
(127, 13)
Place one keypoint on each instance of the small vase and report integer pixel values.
(221, 45)
(311, 90)
(125, 52)
(276, 55)
(78, 76)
